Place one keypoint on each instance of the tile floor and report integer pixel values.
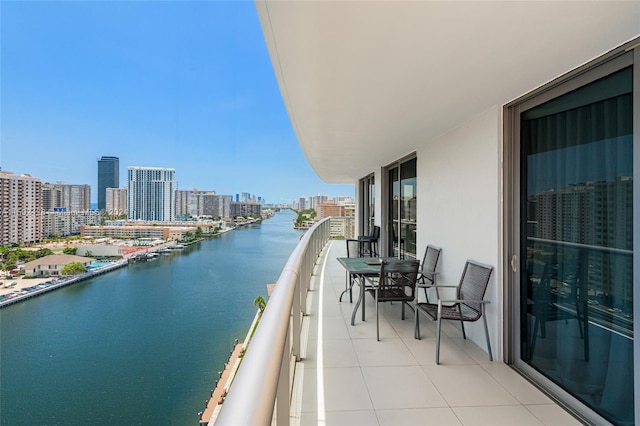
(346, 377)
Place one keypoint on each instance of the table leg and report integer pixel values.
(360, 300)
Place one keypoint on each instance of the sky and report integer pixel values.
(186, 84)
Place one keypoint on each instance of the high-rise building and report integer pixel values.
(20, 208)
(108, 177)
(51, 197)
(75, 198)
(151, 192)
(116, 201)
(62, 196)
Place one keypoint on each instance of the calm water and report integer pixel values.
(142, 345)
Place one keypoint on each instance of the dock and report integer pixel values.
(63, 282)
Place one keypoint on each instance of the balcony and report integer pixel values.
(344, 376)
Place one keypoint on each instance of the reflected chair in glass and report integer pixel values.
(369, 243)
(427, 273)
(353, 250)
(556, 298)
(468, 304)
(395, 283)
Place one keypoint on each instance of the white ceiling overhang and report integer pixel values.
(367, 82)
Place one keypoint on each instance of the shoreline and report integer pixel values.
(23, 283)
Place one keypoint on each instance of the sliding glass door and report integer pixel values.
(367, 205)
(575, 230)
(402, 193)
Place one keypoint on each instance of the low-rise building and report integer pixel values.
(53, 264)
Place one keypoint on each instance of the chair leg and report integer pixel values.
(438, 341)
(438, 332)
(416, 329)
(464, 335)
(402, 310)
(377, 320)
(486, 333)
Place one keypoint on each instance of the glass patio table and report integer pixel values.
(362, 267)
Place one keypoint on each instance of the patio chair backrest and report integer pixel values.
(430, 260)
(375, 232)
(473, 284)
(353, 248)
(399, 274)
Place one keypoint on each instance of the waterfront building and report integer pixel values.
(517, 150)
(65, 223)
(20, 208)
(53, 264)
(249, 208)
(202, 203)
(315, 200)
(150, 193)
(116, 200)
(159, 230)
(108, 177)
(327, 209)
(300, 204)
(183, 202)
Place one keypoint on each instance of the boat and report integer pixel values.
(178, 247)
(10, 284)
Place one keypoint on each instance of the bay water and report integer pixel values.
(141, 345)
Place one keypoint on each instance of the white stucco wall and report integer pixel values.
(459, 209)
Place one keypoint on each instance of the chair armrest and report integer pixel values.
(437, 286)
(440, 301)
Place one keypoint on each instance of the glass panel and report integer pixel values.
(408, 184)
(577, 233)
(372, 202)
(394, 216)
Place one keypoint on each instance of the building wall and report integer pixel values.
(20, 208)
(151, 192)
(62, 224)
(116, 201)
(108, 177)
(465, 165)
(74, 197)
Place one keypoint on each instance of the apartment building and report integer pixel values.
(62, 224)
(249, 208)
(116, 201)
(151, 192)
(20, 208)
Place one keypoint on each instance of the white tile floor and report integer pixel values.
(346, 377)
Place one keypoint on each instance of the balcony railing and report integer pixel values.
(262, 387)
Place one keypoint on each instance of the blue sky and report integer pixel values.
(187, 85)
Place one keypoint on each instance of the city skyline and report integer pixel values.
(189, 87)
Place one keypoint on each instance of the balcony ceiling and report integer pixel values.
(366, 83)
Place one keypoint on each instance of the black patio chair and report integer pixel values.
(396, 283)
(369, 243)
(468, 304)
(353, 250)
(427, 273)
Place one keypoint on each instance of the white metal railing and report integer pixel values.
(262, 386)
